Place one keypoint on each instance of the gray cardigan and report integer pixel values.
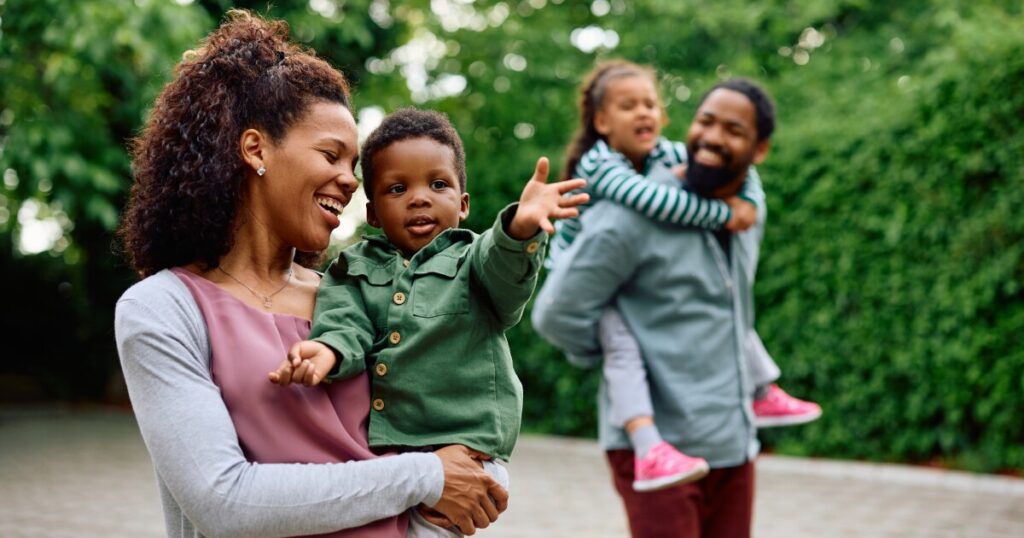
(207, 486)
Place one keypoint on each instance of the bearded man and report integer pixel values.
(687, 297)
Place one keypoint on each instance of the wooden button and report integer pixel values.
(532, 247)
(378, 404)
(382, 369)
(395, 338)
(399, 298)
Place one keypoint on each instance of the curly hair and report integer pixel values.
(407, 123)
(187, 167)
(764, 108)
(592, 92)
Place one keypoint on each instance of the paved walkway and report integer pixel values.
(87, 474)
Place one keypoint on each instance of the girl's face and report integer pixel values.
(309, 177)
(630, 117)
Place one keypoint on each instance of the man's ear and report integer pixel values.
(253, 145)
(761, 151)
(371, 216)
(464, 208)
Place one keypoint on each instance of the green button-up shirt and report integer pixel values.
(431, 331)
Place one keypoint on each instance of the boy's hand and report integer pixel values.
(541, 202)
(308, 363)
(679, 171)
(744, 214)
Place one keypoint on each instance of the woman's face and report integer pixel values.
(310, 177)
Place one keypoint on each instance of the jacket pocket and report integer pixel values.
(438, 290)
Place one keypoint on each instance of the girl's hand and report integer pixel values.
(541, 202)
(471, 498)
(744, 214)
(308, 363)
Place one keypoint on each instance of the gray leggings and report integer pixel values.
(626, 378)
(421, 528)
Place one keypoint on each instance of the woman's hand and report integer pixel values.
(541, 202)
(471, 498)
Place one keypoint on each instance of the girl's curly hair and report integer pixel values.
(186, 163)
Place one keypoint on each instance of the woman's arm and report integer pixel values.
(163, 348)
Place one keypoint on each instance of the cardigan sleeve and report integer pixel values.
(164, 351)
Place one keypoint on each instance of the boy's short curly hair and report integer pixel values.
(186, 162)
(405, 124)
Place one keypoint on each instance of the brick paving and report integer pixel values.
(87, 474)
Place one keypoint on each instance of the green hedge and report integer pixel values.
(890, 283)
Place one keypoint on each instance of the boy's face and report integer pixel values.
(416, 193)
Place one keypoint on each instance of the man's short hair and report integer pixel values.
(764, 108)
(405, 124)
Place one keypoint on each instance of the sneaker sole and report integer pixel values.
(789, 420)
(655, 484)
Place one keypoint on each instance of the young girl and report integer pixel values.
(618, 141)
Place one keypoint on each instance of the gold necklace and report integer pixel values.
(268, 300)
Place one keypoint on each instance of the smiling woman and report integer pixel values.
(247, 159)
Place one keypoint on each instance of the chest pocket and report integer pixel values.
(437, 289)
(374, 275)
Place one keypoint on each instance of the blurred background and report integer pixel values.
(891, 287)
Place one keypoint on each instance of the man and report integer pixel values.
(687, 296)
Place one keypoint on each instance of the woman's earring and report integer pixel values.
(261, 170)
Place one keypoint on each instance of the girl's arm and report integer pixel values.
(164, 351)
(673, 154)
(609, 176)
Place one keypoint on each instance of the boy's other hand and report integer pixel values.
(308, 363)
(541, 202)
(744, 214)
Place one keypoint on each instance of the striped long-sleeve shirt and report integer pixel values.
(610, 175)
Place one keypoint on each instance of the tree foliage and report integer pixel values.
(890, 284)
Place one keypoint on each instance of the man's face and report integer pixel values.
(722, 142)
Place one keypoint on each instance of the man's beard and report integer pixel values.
(706, 180)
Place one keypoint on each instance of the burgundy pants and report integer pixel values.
(720, 505)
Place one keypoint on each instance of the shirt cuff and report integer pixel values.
(534, 246)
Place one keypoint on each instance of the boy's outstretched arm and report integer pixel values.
(507, 258)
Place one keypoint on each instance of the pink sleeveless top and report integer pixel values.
(294, 424)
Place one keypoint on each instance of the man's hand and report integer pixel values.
(744, 214)
(308, 363)
(541, 202)
(471, 498)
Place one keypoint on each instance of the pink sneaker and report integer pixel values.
(780, 409)
(664, 466)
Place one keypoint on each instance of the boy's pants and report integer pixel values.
(626, 377)
(421, 528)
(720, 505)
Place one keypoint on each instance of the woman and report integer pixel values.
(246, 160)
